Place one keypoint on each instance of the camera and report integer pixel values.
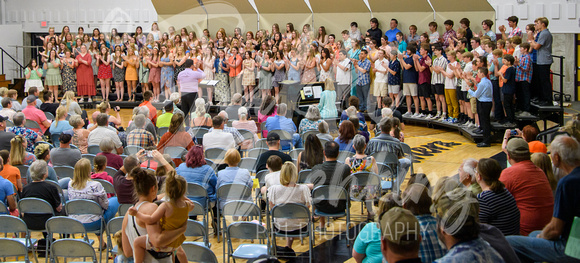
(149, 154)
(513, 132)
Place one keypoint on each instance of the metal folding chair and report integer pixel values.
(199, 253)
(237, 208)
(90, 157)
(114, 225)
(123, 208)
(261, 143)
(132, 149)
(294, 153)
(247, 230)
(198, 193)
(161, 131)
(109, 188)
(255, 153)
(13, 248)
(333, 194)
(196, 229)
(248, 163)
(35, 206)
(87, 207)
(305, 134)
(64, 171)
(70, 248)
(175, 152)
(63, 225)
(93, 149)
(10, 225)
(229, 192)
(293, 211)
(111, 171)
(343, 155)
(409, 153)
(367, 185)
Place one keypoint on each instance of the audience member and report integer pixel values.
(19, 129)
(281, 122)
(147, 95)
(467, 175)
(139, 136)
(218, 138)
(310, 121)
(323, 132)
(401, 238)
(233, 109)
(34, 114)
(65, 155)
(49, 104)
(346, 133)
(233, 174)
(18, 153)
(549, 244)
(497, 206)
(5, 136)
(238, 138)
(10, 172)
(274, 164)
(196, 170)
(80, 134)
(7, 110)
(123, 181)
(102, 132)
(7, 194)
(244, 123)
(273, 141)
(529, 186)
(543, 161)
(361, 162)
(176, 136)
(165, 119)
(312, 155)
(107, 145)
(42, 152)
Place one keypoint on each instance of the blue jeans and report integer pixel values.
(362, 92)
(533, 249)
(296, 141)
(108, 215)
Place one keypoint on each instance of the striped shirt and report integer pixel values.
(499, 210)
(438, 78)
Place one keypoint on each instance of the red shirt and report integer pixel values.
(152, 111)
(32, 113)
(530, 187)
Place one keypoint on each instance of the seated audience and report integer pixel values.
(147, 95)
(196, 170)
(82, 187)
(107, 145)
(10, 172)
(238, 138)
(165, 119)
(310, 121)
(467, 172)
(176, 136)
(218, 138)
(548, 245)
(543, 161)
(201, 117)
(281, 122)
(273, 141)
(60, 124)
(346, 134)
(274, 165)
(323, 132)
(7, 194)
(80, 134)
(401, 240)
(289, 191)
(5, 136)
(267, 109)
(19, 129)
(529, 186)
(497, 206)
(361, 162)
(100, 163)
(149, 126)
(233, 174)
(123, 181)
(65, 155)
(312, 155)
(139, 136)
(34, 114)
(243, 123)
(42, 152)
(102, 132)
(18, 153)
(234, 108)
(7, 110)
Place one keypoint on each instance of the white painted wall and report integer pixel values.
(564, 15)
(12, 35)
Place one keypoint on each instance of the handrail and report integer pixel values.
(20, 67)
(561, 92)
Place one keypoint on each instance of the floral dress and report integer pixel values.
(166, 74)
(178, 69)
(119, 73)
(309, 75)
(105, 71)
(249, 78)
(364, 164)
(222, 92)
(69, 78)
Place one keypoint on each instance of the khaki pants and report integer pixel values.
(452, 103)
(235, 85)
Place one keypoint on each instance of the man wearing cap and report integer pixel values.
(232, 109)
(549, 244)
(529, 186)
(513, 24)
(5, 137)
(34, 114)
(19, 129)
(273, 141)
(457, 213)
(65, 155)
(401, 236)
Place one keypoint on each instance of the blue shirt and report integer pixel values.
(364, 78)
(233, 175)
(483, 92)
(392, 34)
(430, 248)
(403, 46)
(476, 250)
(395, 66)
(278, 122)
(344, 146)
(410, 75)
(534, 53)
(6, 189)
(368, 242)
(567, 201)
(202, 175)
(62, 126)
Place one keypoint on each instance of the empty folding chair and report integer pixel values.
(13, 248)
(197, 253)
(248, 163)
(64, 171)
(113, 226)
(333, 194)
(293, 211)
(198, 133)
(87, 207)
(93, 149)
(35, 206)
(10, 225)
(229, 192)
(196, 229)
(241, 209)
(365, 187)
(71, 248)
(247, 230)
(63, 225)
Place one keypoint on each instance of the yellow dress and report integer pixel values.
(177, 219)
(131, 72)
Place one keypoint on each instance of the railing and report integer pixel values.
(20, 67)
(561, 91)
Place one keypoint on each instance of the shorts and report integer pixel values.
(473, 102)
(458, 93)
(464, 96)
(379, 89)
(410, 89)
(394, 89)
(438, 89)
(158, 252)
(424, 90)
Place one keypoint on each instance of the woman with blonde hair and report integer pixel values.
(201, 117)
(543, 161)
(60, 124)
(309, 73)
(69, 101)
(131, 65)
(289, 191)
(232, 173)
(208, 59)
(82, 187)
(18, 153)
(105, 107)
(327, 105)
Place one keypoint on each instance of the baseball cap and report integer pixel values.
(272, 137)
(537, 147)
(2, 118)
(399, 225)
(454, 207)
(518, 146)
(30, 98)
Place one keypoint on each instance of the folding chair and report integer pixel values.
(294, 153)
(13, 248)
(49, 115)
(109, 188)
(303, 176)
(23, 172)
(9, 123)
(63, 225)
(175, 152)
(71, 248)
(64, 171)
(198, 193)
(284, 136)
(215, 153)
(248, 135)
(333, 194)
(10, 225)
(305, 134)
(198, 133)
(197, 253)
(237, 208)
(161, 131)
(93, 149)
(311, 177)
(30, 124)
(343, 155)
(261, 143)
(90, 157)
(111, 171)
(35, 206)
(247, 230)
(248, 163)
(256, 152)
(387, 177)
(123, 208)
(132, 149)
(196, 229)
(63, 198)
(55, 138)
(229, 192)
(368, 187)
(293, 211)
(409, 153)
(87, 207)
(114, 225)
(3, 208)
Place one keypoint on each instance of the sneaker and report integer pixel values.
(454, 120)
(421, 115)
(429, 117)
(437, 116)
(407, 114)
(81, 100)
(90, 100)
(472, 125)
(416, 115)
(443, 118)
(525, 114)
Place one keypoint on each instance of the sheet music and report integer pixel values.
(317, 90)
